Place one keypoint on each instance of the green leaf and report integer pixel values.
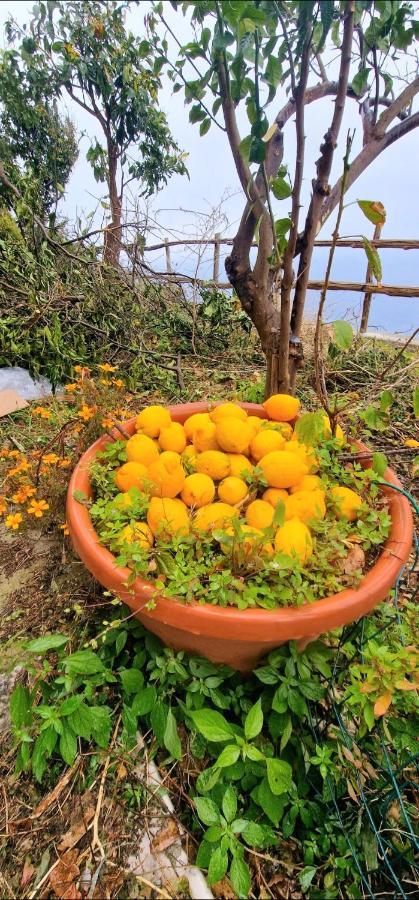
(370, 848)
(281, 189)
(416, 402)
(273, 806)
(327, 9)
(254, 721)
(244, 147)
(20, 706)
(158, 721)
(257, 150)
(212, 725)
(266, 675)
(197, 113)
(144, 701)
(279, 775)
(83, 662)
(229, 804)
(204, 127)
(254, 754)
(207, 811)
(228, 756)
(373, 210)
(81, 497)
(309, 428)
(360, 82)
(342, 334)
(286, 734)
(259, 836)
(101, 724)
(379, 463)
(47, 642)
(207, 779)
(171, 737)
(240, 877)
(218, 866)
(306, 876)
(82, 721)
(42, 749)
(386, 399)
(68, 746)
(373, 258)
(132, 680)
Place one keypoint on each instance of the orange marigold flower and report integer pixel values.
(86, 412)
(23, 494)
(118, 382)
(4, 453)
(107, 423)
(50, 459)
(103, 381)
(105, 367)
(82, 370)
(64, 528)
(22, 467)
(42, 412)
(70, 388)
(64, 463)
(3, 505)
(37, 508)
(15, 454)
(410, 442)
(13, 521)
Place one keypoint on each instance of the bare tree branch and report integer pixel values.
(396, 107)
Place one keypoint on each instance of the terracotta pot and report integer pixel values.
(239, 638)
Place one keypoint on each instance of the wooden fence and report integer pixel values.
(367, 287)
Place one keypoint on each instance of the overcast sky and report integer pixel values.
(393, 178)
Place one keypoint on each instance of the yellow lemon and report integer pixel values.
(142, 449)
(339, 433)
(294, 539)
(151, 419)
(306, 506)
(167, 478)
(250, 539)
(306, 454)
(282, 469)
(198, 490)
(138, 533)
(167, 516)
(197, 419)
(232, 490)
(265, 442)
(172, 456)
(275, 496)
(226, 411)
(233, 435)
(204, 437)
(213, 516)
(173, 438)
(347, 502)
(213, 463)
(282, 407)
(255, 423)
(307, 483)
(239, 464)
(259, 514)
(131, 474)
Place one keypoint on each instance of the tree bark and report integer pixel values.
(113, 233)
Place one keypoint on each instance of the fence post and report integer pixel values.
(168, 258)
(366, 306)
(216, 266)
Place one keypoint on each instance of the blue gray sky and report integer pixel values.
(393, 178)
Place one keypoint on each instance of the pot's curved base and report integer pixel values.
(238, 638)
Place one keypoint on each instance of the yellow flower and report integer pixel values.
(37, 508)
(4, 453)
(22, 467)
(23, 494)
(82, 370)
(64, 463)
(410, 442)
(86, 412)
(118, 382)
(64, 528)
(13, 521)
(70, 388)
(15, 454)
(50, 459)
(3, 505)
(105, 367)
(107, 423)
(42, 412)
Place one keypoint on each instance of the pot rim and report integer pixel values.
(249, 624)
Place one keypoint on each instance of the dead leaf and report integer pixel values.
(121, 772)
(223, 889)
(50, 798)
(64, 874)
(167, 836)
(382, 704)
(351, 791)
(354, 561)
(27, 873)
(77, 830)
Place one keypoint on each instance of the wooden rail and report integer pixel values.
(352, 243)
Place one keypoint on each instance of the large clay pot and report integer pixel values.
(239, 638)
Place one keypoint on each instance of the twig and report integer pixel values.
(16, 443)
(6, 810)
(96, 842)
(398, 355)
(154, 887)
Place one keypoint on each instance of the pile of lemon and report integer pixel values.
(221, 449)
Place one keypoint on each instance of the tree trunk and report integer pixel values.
(113, 232)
